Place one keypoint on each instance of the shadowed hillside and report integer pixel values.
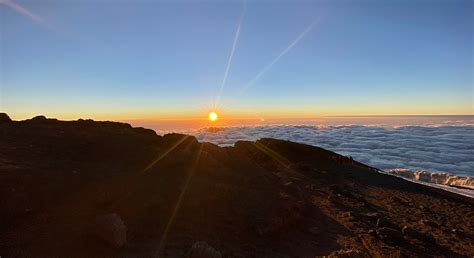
(105, 189)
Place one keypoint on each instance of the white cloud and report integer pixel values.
(434, 148)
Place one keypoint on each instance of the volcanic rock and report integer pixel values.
(202, 250)
(39, 119)
(111, 229)
(267, 198)
(4, 118)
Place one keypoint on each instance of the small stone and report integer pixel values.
(202, 250)
(111, 229)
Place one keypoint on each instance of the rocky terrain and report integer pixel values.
(105, 189)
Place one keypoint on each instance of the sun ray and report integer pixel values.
(273, 154)
(276, 156)
(284, 52)
(163, 154)
(229, 61)
(176, 208)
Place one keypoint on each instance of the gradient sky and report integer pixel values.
(167, 59)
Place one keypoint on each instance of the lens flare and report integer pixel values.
(286, 50)
(213, 116)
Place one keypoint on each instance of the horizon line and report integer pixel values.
(233, 118)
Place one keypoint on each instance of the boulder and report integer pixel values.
(111, 229)
(202, 250)
(4, 118)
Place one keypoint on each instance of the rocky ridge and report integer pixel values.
(105, 189)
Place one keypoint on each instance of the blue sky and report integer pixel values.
(166, 59)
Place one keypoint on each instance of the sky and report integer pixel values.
(140, 59)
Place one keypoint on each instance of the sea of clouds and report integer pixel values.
(441, 148)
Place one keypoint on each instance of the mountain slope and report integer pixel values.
(268, 198)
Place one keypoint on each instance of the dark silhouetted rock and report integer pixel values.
(202, 250)
(39, 119)
(111, 229)
(145, 131)
(4, 118)
(265, 198)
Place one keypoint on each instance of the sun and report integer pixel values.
(213, 116)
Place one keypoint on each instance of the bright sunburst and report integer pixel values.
(213, 116)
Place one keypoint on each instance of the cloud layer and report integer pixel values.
(434, 148)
